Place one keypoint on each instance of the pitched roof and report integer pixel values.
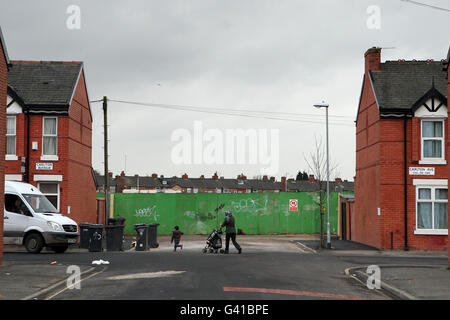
(307, 186)
(100, 180)
(398, 85)
(45, 85)
(148, 182)
(264, 184)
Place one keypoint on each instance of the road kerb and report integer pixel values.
(359, 274)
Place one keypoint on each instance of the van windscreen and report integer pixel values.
(40, 203)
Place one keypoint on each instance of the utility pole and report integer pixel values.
(105, 124)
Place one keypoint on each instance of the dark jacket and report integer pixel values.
(229, 223)
(176, 235)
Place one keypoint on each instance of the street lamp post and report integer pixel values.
(325, 105)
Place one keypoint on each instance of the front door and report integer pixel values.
(344, 221)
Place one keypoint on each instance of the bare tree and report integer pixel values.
(317, 164)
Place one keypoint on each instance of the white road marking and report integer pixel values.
(146, 275)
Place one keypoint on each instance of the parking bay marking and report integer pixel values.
(146, 275)
(59, 284)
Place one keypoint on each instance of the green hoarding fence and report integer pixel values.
(200, 213)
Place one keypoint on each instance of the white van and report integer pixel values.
(32, 220)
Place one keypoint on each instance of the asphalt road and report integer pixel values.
(268, 269)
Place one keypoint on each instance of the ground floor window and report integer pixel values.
(432, 208)
(51, 191)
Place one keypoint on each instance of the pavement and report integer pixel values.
(412, 281)
(270, 267)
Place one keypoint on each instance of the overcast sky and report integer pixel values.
(274, 56)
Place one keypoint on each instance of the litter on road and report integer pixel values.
(99, 262)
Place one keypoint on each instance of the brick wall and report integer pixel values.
(82, 189)
(3, 95)
(365, 223)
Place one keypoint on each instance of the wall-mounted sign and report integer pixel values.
(44, 166)
(293, 205)
(421, 171)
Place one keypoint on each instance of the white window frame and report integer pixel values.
(440, 160)
(432, 184)
(12, 156)
(49, 157)
(58, 194)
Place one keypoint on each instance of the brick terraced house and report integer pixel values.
(49, 134)
(447, 69)
(4, 65)
(401, 184)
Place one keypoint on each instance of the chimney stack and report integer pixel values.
(241, 177)
(272, 179)
(154, 175)
(311, 178)
(185, 176)
(338, 180)
(373, 59)
(265, 178)
(215, 176)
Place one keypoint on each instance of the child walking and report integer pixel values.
(176, 237)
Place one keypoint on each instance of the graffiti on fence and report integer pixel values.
(252, 205)
(149, 212)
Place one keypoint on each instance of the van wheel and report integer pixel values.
(59, 249)
(34, 243)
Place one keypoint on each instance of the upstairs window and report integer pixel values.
(11, 135)
(50, 136)
(433, 139)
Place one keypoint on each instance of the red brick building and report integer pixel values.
(49, 134)
(448, 142)
(4, 63)
(401, 197)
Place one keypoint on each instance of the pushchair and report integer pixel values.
(214, 242)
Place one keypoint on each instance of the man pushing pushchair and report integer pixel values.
(229, 222)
